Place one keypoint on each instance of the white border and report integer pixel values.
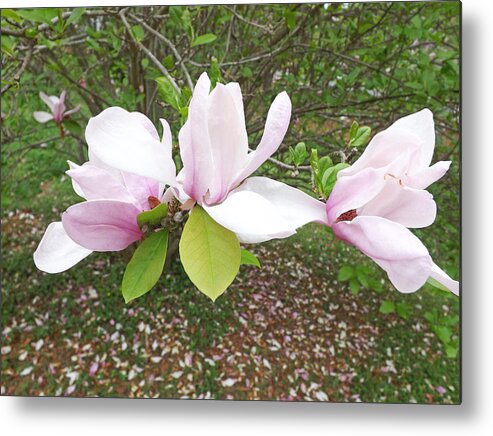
(19, 416)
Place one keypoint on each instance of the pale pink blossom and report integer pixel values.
(57, 108)
(107, 220)
(382, 194)
(216, 162)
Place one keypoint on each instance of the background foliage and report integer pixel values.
(346, 335)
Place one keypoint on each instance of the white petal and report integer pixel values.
(98, 184)
(442, 277)
(167, 138)
(410, 207)
(195, 146)
(276, 126)
(248, 213)
(420, 124)
(296, 207)
(425, 177)
(77, 189)
(123, 140)
(42, 117)
(57, 252)
(229, 141)
(49, 101)
(413, 136)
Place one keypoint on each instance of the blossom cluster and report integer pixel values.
(132, 173)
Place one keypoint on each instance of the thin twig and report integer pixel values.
(148, 53)
(21, 70)
(171, 46)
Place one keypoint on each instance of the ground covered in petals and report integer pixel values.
(287, 331)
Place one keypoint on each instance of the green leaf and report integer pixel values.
(345, 273)
(146, 266)
(40, 15)
(8, 44)
(290, 18)
(169, 62)
(298, 154)
(387, 307)
(443, 333)
(436, 284)
(246, 72)
(214, 72)
(248, 258)
(206, 38)
(354, 286)
(353, 130)
(72, 126)
(154, 216)
(363, 279)
(168, 92)
(451, 351)
(75, 16)
(138, 32)
(329, 178)
(12, 15)
(209, 253)
(402, 310)
(361, 137)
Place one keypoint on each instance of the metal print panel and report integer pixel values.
(233, 202)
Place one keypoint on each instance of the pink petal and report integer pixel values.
(195, 146)
(42, 117)
(276, 126)
(413, 135)
(393, 247)
(353, 192)
(57, 252)
(442, 277)
(72, 111)
(124, 140)
(98, 184)
(229, 141)
(49, 101)
(425, 177)
(102, 225)
(410, 207)
(140, 189)
(77, 189)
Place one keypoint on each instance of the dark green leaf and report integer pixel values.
(402, 310)
(387, 307)
(75, 16)
(168, 92)
(248, 258)
(146, 266)
(354, 286)
(72, 126)
(154, 216)
(345, 273)
(207, 38)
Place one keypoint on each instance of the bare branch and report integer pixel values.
(148, 53)
(21, 70)
(170, 45)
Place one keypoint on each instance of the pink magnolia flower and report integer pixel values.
(107, 220)
(57, 108)
(382, 194)
(216, 162)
